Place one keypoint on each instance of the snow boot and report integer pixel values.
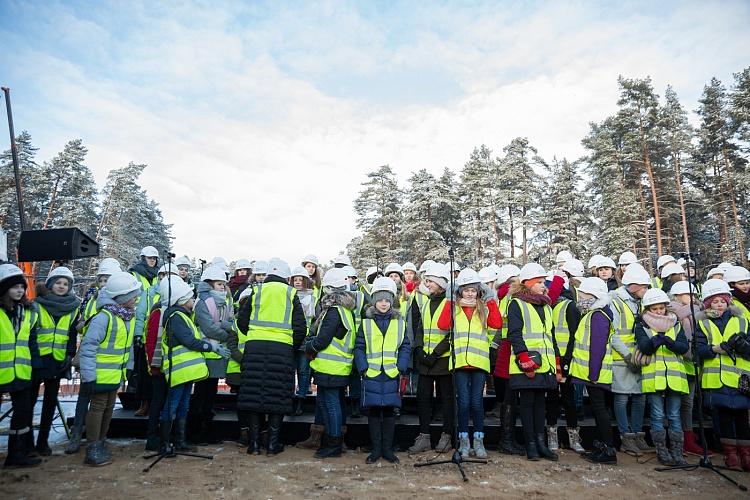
(574, 439)
(531, 450)
(181, 443)
(744, 453)
(389, 432)
(496, 411)
(355, 408)
(28, 443)
(629, 444)
(479, 450)
(508, 444)
(692, 447)
(143, 410)
(42, 446)
(298, 406)
(253, 446)
(676, 442)
(602, 454)
(96, 455)
(152, 443)
(640, 441)
(463, 445)
(74, 443)
(422, 443)
(313, 442)
(17, 455)
(375, 425)
(662, 453)
(332, 449)
(544, 451)
(553, 442)
(275, 445)
(244, 438)
(731, 454)
(444, 444)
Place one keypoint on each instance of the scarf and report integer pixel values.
(743, 297)
(147, 272)
(467, 302)
(118, 310)
(659, 323)
(710, 313)
(331, 299)
(537, 299)
(237, 281)
(584, 305)
(59, 305)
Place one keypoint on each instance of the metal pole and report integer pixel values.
(14, 153)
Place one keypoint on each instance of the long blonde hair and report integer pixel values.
(480, 308)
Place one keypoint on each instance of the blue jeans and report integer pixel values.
(637, 407)
(303, 374)
(329, 402)
(177, 403)
(469, 391)
(656, 404)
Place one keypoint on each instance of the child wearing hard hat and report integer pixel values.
(302, 282)
(664, 380)
(381, 355)
(312, 265)
(475, 311)
(605, 270)
(241, 277)
(56, 339)
(17, 319)
(738, 279)
(671, 274)
(145, 270)
(723, 347)
(103, 356)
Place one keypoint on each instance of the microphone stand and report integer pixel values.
(705, 461)
(169, 448)
(456, 458)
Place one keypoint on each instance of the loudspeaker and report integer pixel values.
(56, 244)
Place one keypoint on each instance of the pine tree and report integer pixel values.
(447, 218)
(418, 235)
(740, 107)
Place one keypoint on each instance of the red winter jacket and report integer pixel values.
(152, 331)
(494, 318)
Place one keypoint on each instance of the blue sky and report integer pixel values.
(239, 107)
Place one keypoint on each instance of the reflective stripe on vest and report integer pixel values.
(51, 337)
(624, 329)
(15, 356)
(432, 334)
(537, 335)
(666, 370)
(233, 366)
(271, 316)
(114, 351)
(382, 350)
(186, 365)
(562, 331)
(90, 309)
(656, 282)
(471, 344)
(721, 371)
(503, 306)
(579, 366)
(336, 359)
(741, 307)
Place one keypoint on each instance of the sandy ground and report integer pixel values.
(296, 474)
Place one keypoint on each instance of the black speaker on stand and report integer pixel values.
(62, 244)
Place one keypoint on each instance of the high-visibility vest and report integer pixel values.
(51, 337)
(382, 350)
(432, 334)
(741, 307)
(471, 346)
(271, 313)
(359, 300)
(656, 282)
(562, 331)
(624, 329)
(15, 356)
(666, 370)
(537, 335)
(233, 366)
(419, 298)
(91, 309)
(337, 358)
(114, 351)
(403, 307)
(722, 371)
(186, 365)
(579, 365)
(503, 306)
(145, 282)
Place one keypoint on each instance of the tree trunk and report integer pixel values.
(524, 248)
(652, 182)
(739, 234)
(512, 233)
(646, 231)
(681, 196)
(721, 213)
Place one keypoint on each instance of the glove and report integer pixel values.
(558, 370)
(310, 351)
(419, 354)
(220, 350)
(668, 343)
(237, 356)
(527, 365)
(730, 352)
(742, 347)
(65, 365)
(657, 341)
(429, 360)
(486, 293)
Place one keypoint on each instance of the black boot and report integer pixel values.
(165, 433)
(298, 406)
(508, 444)
(332, 448)
(541, 446)
(531, 450)
(376, 437)
(601, 454)
(42, 446)
(355, 408)
(17, 454)
(196, 433)
(209, 430)
(181, 441)
(274, 434)
(28, 443)
(389, 431)
(253, 447)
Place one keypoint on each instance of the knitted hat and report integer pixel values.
(10, 282)
(382, 295)
(438, 280)
(122, 299)
(475, 286)
(51, 281)
(185, 298)
(533, 281)
(725, 296)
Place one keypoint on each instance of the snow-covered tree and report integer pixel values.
(418, 235)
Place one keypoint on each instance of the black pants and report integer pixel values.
(598, 398)
(143, 386)
(501, 387)
(734, 424)
(424, 401)
(21, 418)
(49, 403)
(158, 396)
(564, 394)
(532, 412)
(380, 411)
(204, 395)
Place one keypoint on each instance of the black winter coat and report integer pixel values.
(543, 381)
(330, 327)
(267, 378)
(441, 365)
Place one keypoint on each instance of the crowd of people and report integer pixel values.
(536, 338)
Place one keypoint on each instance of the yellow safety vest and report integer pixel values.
(51, 337)
(503, 306)
(666, 370)
(15, 356)
(145, 282)
(271, 313)
(741, 307)
(579, 366)
(470, 342)
(432, 334)
(337, 358)
(359, 302)
(233, 366)
(114, 351)
(538, 336)
(562, 331)
(91, 309)
(186, 365)
(382, 350)
(721, 371)
(419, 298)
(656, 282)
(624, 329)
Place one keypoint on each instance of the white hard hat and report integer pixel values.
(343, 260)
(260, 267)
(426, 265)
(715, 270)
(680, 288)
(383, 284)
(487, 274)
(371, 270)
(61, 272)
(593, 261)
(243, 264)
(714, 287)
(594, 286)
(409, 266)
(735, 274)
(574, 267)
(438, 270)
(218, 260)
(724, 266)
(335, 278)
(174, 288)
(350, 271)
(507, 271)
(495, 268)
(636, 274)
(107, 266)
(664, 260)
(393, 267)
(8, 271)
(279, 268)
(654, 296)
(299, 271)
(627, 258)
(183, 261)
(681, 261)
(122, 283)
(213, 273)
(311, 259)
(149, 251)
(605, 262)
(672, 268)
(563, 257)
(530, 271)
(166, 268)
(467, 276)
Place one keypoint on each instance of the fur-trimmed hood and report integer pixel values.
(734, 311)
(371, 310)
